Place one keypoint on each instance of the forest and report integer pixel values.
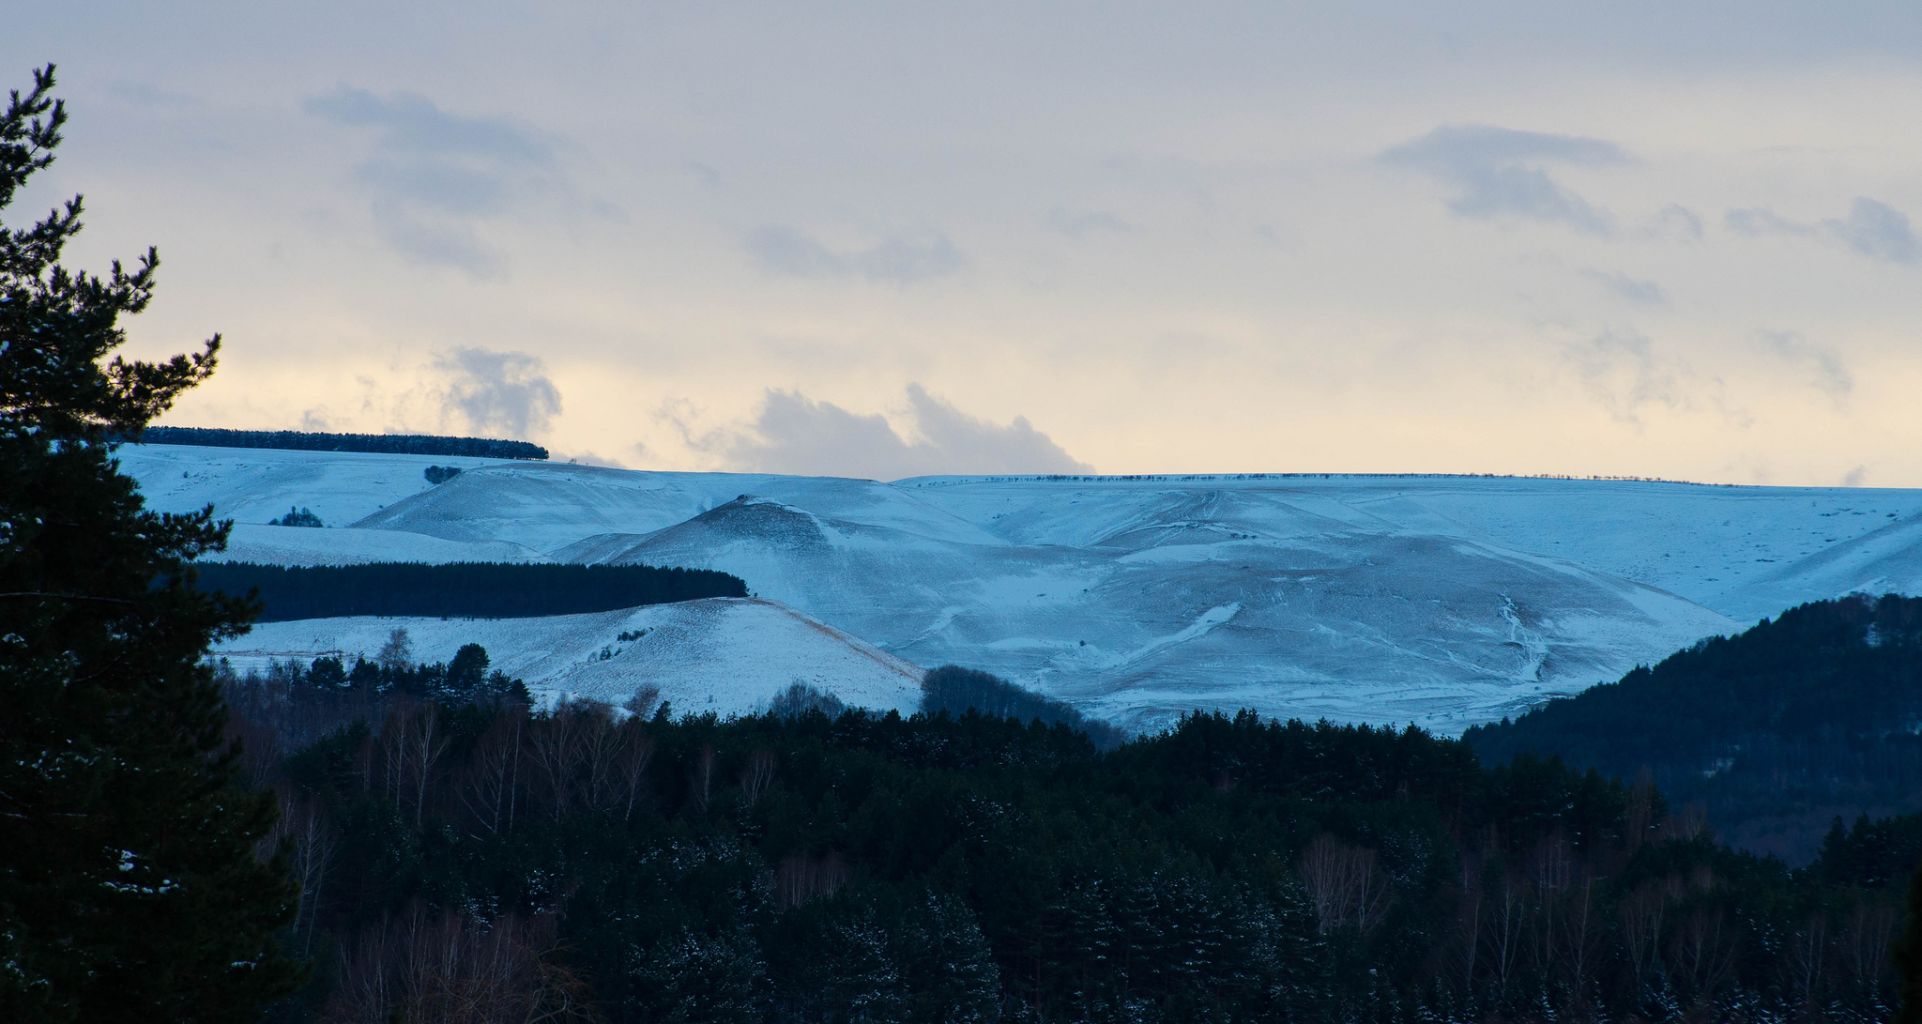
(317, 441)
(455, 848)
(480, 590)
(1772, 732)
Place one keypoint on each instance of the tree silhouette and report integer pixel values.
(129, 884)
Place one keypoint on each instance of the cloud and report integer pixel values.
(792, 433)
(1630, 289)
(1855, 477)
(410, 122)
(898, 259)
(1080, 224)
(505, 392)
(1620, 370)
(437, 242)
(432, 174)
(1878, 231)
(1872, 228)
(1498, 173)
(1677, 221)
(1830, 374)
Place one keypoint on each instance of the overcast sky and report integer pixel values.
(880, 240)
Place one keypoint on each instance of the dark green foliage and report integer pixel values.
(1874, 852)
(801, 699)
(302, 516)
(1774, 731)
(133, 885)
(309, 441)
(977, 868)
(463, 589)
(954, 690)
(440, 474)
(1908, 956)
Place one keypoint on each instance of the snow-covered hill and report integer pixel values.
(726, 655)
(1439, 600)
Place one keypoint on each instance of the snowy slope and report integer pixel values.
(726, 655)
(1439, 600)
(256, 485)
(545, 506)
(298, 545)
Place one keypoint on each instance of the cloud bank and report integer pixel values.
(792, 433)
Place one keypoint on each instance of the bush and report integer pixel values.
(302, 516)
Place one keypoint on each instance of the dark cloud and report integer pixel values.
(1856, 477)
(1629, 289)
(792, 433)
(899, 259)
(1872, 228)
(497, 392)
(1828, 372)
(1498, 172)
(432, 175)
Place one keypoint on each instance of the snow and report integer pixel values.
(726, 655)
(1444, 601)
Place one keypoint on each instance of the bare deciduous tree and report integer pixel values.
(1343, 884)
(555, 750)
(756, 775)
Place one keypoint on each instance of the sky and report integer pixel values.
(882, 240)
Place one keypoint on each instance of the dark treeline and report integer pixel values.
(316, 441)
(1775, 731)
(463, 858)
(459, 590)
(954, 690)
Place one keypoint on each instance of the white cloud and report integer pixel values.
(505, 392)
(792, 433)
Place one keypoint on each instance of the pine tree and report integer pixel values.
(129, 884)
(1908, 958)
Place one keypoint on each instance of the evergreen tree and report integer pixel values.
(129, 885)
(1908, 958)
(468, 670)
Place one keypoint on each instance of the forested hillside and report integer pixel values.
(478, 590)
(1775, 731)
(316, 441)
(454, 848)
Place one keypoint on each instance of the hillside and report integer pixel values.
(1774, 731)
(1445, 601)
(726, 655)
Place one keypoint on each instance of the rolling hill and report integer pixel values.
(1445, 601)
